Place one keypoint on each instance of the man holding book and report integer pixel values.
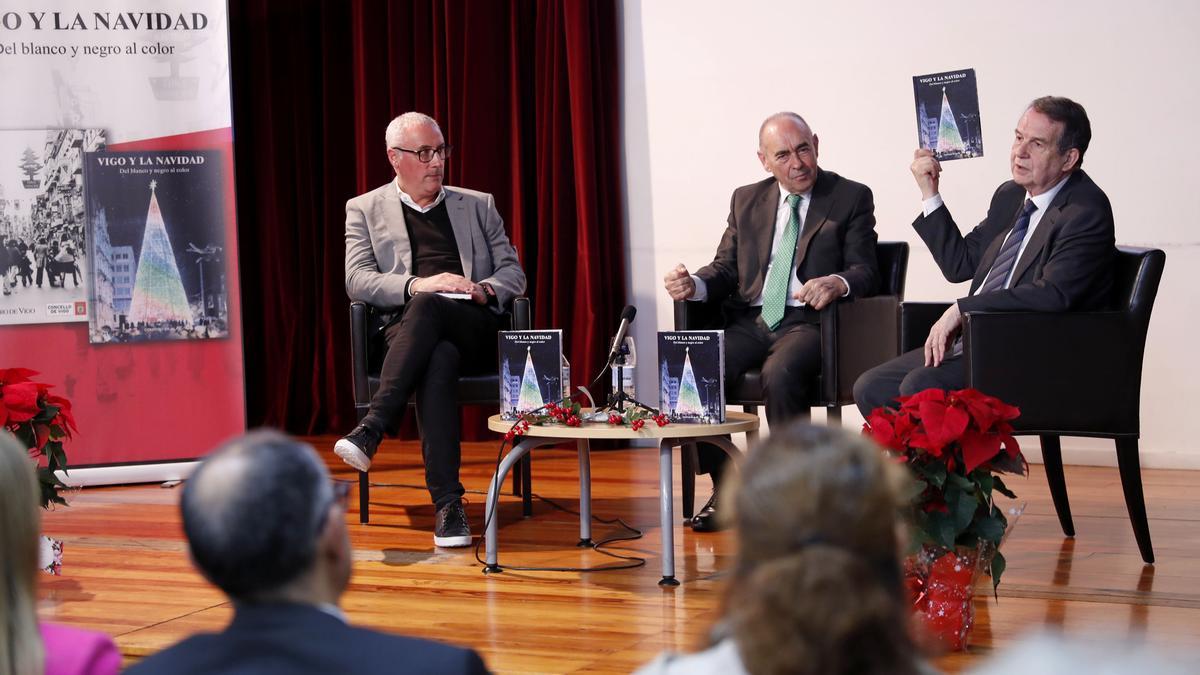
(794, 243)
(437, 257)
(1046, 245)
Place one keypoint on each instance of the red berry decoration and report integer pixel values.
(616, 419)
(638, 424)
(661, 420)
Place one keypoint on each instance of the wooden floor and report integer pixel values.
(127, 573)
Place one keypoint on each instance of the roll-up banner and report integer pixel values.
(119, 255)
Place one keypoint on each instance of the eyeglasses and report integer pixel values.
(425, 155)
(339, 495)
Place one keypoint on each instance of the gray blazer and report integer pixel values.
(379, 254)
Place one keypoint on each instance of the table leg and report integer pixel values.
(490, 515)
(667, 518)
(583, 448)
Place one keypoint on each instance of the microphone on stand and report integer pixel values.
(627, 315)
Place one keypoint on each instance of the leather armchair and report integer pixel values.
(857, 334)
(367, 348)
(1070, 373)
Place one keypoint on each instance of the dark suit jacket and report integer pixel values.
(838, 238)
(279, 638)
(1067, 263)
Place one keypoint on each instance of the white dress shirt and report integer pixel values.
(408, 201)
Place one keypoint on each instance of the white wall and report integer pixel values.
(700, 75)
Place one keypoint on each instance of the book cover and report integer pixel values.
(692, 375)
(948, 114)
(43, 234)
(531, 370)
(157, 226)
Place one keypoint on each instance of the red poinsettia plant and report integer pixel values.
(957, 444)
(42, 421)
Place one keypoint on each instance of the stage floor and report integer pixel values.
(127, 572)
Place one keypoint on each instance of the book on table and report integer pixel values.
(531, 370)
(691, 367)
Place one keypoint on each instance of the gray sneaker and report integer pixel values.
(450, 528)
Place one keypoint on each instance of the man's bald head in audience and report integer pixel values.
(257, 514)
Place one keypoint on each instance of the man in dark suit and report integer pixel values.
(794, 243)
(265, 524)
(1046, 245)
(408, 244)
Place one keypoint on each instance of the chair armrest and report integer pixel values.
(856, 335)
(1075, 372)
(916, 318)
(358, 352)
(521, 318)
(692, 315)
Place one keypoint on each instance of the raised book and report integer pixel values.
(691, 375)
(530, 370)
(948, 114)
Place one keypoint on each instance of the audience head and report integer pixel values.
(787, 148)
(817, 587)
(20, 641)
(1049, 143)
(265, 523)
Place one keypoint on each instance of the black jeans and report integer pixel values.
(434, 341)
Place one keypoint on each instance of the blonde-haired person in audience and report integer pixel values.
(817, 584)
(27, 647)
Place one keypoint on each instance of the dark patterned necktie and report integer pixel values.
(1007, 257)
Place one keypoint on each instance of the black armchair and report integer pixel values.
(856, 335)
(367, 348)
(1070, 373)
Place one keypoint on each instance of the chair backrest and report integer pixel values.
(1135, 281)
(893, 267)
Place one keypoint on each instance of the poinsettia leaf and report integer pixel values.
(998, 565)
(985, 482)
(15, 375)
(943, 424)
(990, 528)
(20, 399)
(962, 507)
(935, 474)
(1000, 487)
(1016, 465)
(978, 448)
(912, 403)
(955, 478)
(49, 477)
(57, 459)
(941, 529)
(26, 435)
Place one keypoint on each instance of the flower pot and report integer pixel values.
(942, 583)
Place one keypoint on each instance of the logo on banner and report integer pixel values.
(60, 309)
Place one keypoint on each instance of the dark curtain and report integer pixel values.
(526, 92)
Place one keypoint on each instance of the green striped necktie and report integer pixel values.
(780, 275)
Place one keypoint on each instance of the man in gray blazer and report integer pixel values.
(795, 242)
(437, 258)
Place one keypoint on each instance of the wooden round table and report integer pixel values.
(669, 437)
